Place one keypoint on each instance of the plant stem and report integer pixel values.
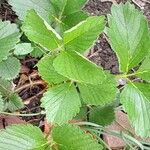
(129, 75)
(23, 115)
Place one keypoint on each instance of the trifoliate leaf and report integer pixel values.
(129, 35)
(77, 68)
(13, 102)
(22, 137)
(82, 36)
(102, 115)
(38, 31)
(136, 102)
(144, 70)
(9, 36)
(9, 68)
(71, 137)
(47, 71)
(101, 94)
(61, 103)
(1, 103)
(23, 49)
(43, 7)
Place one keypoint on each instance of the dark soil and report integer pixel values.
(6, 12)
(147, 11)
(101, 53)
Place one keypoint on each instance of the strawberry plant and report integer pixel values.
(77, 88)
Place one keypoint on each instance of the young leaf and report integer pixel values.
(71, 137)
(38, 31)
(43, 7)
(136, 102)
(22, 137)
(102, 115)
(62, 103)
(9, 36)
(47, 71)
(77, 68)
(82, 36)
(96, 94)
(9, 68)
(129, 35)
(144, 70)
(23, 49)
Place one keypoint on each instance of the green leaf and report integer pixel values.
(67, 7)
(47, 71)
(37, 52)
(19, 137)
(82, 115)
(68, 13)
(43, 7)
(1, 103)
(9, 36)
(71, 137)
(73, 19)
(61, 103)
(38, 31)
(5, 87)
(136, 102)
(102, 115)
(96, 94)
(9, 68)
(77, 68)
(13, 102)
(59, 7)
(73, 6)
(83, 36)
(144, 70)
(23, 49)
(129, 35)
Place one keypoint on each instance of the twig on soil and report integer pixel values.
(23, 115)
(38, 82)
(147, 1)
(113, 1)
(136, 3)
